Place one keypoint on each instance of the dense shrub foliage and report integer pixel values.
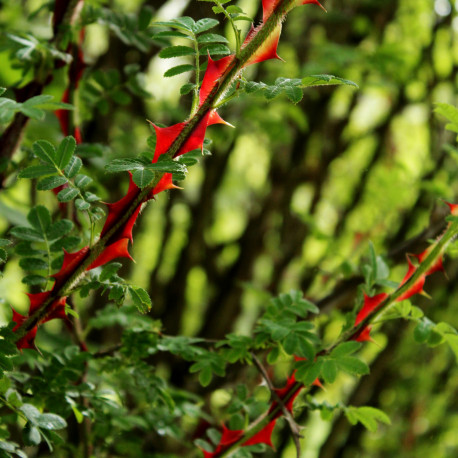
(294, 290)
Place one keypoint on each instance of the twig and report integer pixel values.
(295, 428)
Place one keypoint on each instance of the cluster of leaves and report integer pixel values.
(291, 87)
(59, 168)
(30, 52)
(201, 43)
(41, 244)
(38, 426)
(367, 416)
(32, 108)
(283, 327)
(108, 280)
(131, 29)
(100, 88)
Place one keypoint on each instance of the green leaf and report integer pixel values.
(353, 365)
(117, 294)
(82, 181)
(45, 151)
(367, 416)
(216, 49)
(33, 264)
(167, 166)
(31, 412)
(109, 270)
(65, 152)
(451, 113)
(176, 51)
(186, 88)
(73, 167)
(34, 280)
(122, 165)
(305, 349)
(422, 330)
(178, 70)
(205, 376)
(31, 435)
(142, 177)
(38, 100)
(329, 371)
(50, 421)
(67, 194)
(36, 171)
(204, 24)
(211, 38)
(27, 233)
(51, 182)
(59, 229)
(325, 80)
(294, 93)
(82, 205)
(140, 299)
(39, 218)
(345, 349)
(32, 112)
(308, 371)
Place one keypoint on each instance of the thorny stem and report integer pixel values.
(215, 94)
(295, 428)
(195, 98)
(438, 250)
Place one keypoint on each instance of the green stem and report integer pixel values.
(13, 408)
(195, 98)
(236, 30)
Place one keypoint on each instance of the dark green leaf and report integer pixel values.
(329, 371)
(36, 171)
(345, 349)
(178, 70)
(204, 24)
(176, 51)
(33, 264)
(39, 218)
(34, 280)
(82, 181)
(45, 151)
(50, 421)
(140, 299)
(27, 233)
(82, 205)
(59, 229)
(65, 152)
(67, 194)
(353, 365)
(211, 38)
(73, 167)
(50, 183)
(109, 270)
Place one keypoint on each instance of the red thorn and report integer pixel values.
(117, 249)
(71, 260)
(370, 304)
(264, 436)
(417, 287)
(453, 208)
(364, 335)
